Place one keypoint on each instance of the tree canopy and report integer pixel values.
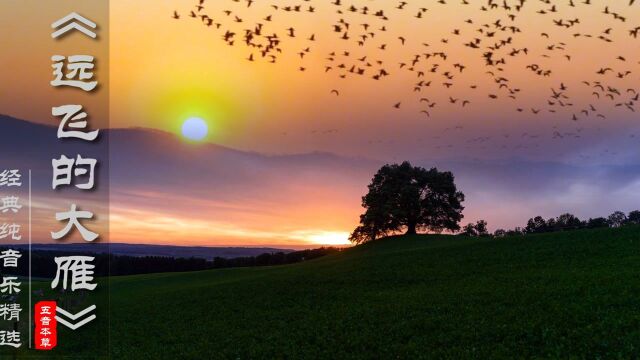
(410, 198)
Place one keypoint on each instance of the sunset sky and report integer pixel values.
(163, 71)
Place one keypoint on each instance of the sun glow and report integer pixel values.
(330, 238)
(195, 129)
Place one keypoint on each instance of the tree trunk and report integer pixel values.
(411, 229)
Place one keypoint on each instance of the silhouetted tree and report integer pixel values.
(477, 229)
(500, 233)
(598, 222)
(551, 225)
(481, 228)
(410, 198)
(536, 225)
(617, 219)
(469, 230)
(517, 231)
(634, 217)
(567, 222)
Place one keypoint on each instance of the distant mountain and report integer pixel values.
(152, 160)
(140, 250)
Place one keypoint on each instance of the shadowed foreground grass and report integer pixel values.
(570, 294)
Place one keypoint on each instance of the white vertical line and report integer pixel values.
(29, 259)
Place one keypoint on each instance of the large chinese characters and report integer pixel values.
(76, 172)
(76, 72)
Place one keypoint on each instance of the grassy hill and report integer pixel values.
(554, 295)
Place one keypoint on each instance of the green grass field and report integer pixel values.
(562, 295)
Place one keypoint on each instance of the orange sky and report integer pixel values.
(164, 70)
(184, 68)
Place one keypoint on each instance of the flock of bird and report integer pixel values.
(361, 36)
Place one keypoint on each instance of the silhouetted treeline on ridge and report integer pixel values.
(43, 264)
(564, 222)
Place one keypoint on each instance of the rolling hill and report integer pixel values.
(560, 295)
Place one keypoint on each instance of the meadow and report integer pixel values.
(572, 294)
(559, 295)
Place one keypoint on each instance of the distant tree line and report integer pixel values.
(43, 264)
(564, 222)
(477, 229)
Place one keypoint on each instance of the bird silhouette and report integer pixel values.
(489, 44)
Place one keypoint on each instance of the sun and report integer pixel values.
(195, 129)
